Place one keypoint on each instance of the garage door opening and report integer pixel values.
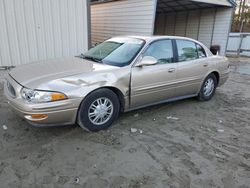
(209, 23)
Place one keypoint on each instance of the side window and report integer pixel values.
(162, 51)
(201, 52)
(186, 50)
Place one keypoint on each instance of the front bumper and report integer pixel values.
(57, 113)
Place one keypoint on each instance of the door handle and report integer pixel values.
(205, 65)
(171, 70)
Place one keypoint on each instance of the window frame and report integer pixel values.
(177, 53)
(133, 58)
(173, 49)
(129, 63)
(196, 44)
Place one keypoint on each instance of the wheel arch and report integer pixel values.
(215, 72)
(116, 90)
(217, 75)
(119, 94)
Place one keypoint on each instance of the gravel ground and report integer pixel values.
(182, 144)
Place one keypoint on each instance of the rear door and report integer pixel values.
(192, 66)
(154, 83)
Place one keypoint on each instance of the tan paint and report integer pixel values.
(152, 84)
(77, 78)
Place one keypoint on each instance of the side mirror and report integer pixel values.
(146, 61)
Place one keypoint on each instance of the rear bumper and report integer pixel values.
(55, 113)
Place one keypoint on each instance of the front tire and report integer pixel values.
(208, 88)
(98, 110)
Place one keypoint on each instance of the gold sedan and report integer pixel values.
(118, 75)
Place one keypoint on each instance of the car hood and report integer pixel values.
(34, 74)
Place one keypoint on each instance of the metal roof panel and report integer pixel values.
(229, 3)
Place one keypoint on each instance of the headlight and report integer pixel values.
(35, 96)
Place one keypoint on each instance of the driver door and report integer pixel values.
(154, 83)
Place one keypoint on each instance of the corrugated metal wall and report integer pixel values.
(33, 30)
(124, 17)
(239, 44)
(222, 27)
(210, 26)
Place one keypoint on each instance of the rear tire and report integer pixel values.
(98, 110)
(208, 88)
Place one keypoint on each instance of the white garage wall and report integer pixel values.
(180, 24)
(32, 30)
(160, 24)
(210, 26)
(170, 24)
(222, 27)
(192, 24)
(126, 17)
(206, 27)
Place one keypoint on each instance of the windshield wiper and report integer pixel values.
(91, 58)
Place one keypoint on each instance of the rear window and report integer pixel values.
(189, 50)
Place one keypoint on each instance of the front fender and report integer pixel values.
(80, 86)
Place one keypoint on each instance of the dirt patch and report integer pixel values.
(205, 145)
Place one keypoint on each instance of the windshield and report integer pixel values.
(117, 51)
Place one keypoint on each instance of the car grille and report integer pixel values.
(11, 90)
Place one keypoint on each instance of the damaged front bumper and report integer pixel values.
(43, 114)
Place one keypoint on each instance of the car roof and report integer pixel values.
(152, 38)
